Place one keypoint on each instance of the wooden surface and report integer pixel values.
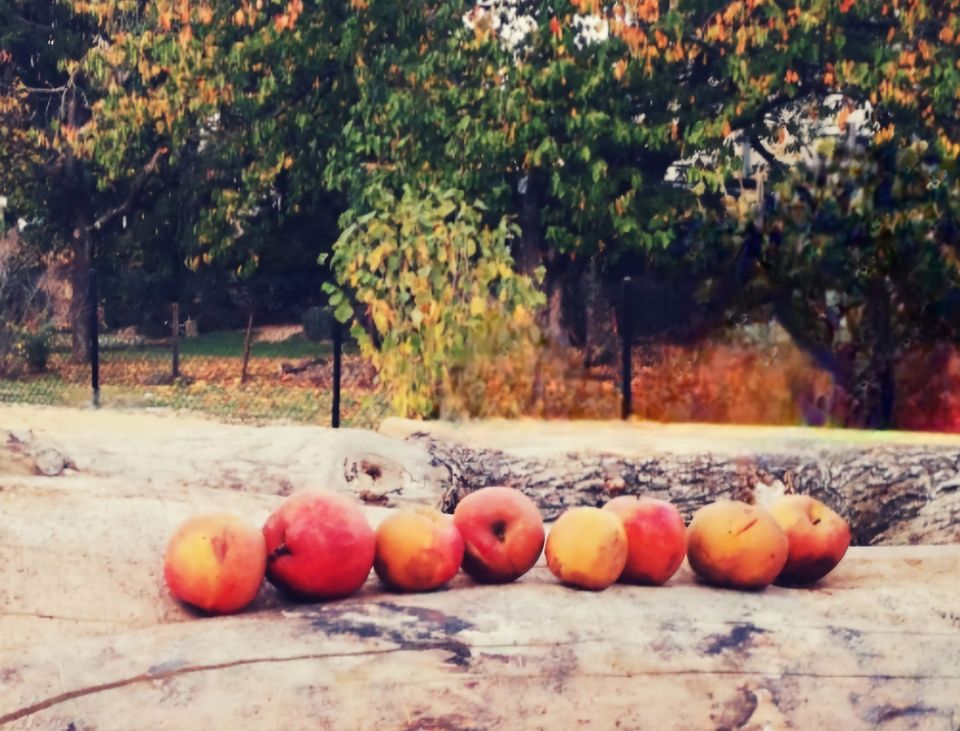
(876, 646)
(90, 639)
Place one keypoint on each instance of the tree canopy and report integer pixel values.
(613, 135)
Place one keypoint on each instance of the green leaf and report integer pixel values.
(343, 312)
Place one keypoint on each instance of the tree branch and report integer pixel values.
(135, 189)
(33, 23)
(757, 145)
(822, 353)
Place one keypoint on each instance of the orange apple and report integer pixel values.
(418, 549)
(215, 562)
(818, 538)
(502, 531)
(737, 545)
(319, 545)
(587, 548)
(656, 538)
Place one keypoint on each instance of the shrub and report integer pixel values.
(36, 350)
(441, 293)
(24, 311)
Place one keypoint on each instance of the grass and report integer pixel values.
(226, 344)
(230, 343)
(256, 402)
(48, 389)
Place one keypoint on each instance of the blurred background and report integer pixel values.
(737, 212)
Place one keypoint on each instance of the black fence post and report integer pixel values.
(94, 338)
(337, 353)
(175, 336)
(626, 338)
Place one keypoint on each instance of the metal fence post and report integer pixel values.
(94, 338)
(337, 354)
(175, 332)
(626, 338)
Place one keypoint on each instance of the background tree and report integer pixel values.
(613, 135)
(46, 99)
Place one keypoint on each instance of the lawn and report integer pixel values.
(138, 377)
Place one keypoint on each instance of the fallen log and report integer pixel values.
(876, 646)
(90, 638)
(893, 489)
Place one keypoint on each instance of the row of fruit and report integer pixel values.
(318, 545)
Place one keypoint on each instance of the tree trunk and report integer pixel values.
(247, 341)
(890, 492)
(528, 249)
(530, 253)
(600, 342)
(554, 327)
(79, 311)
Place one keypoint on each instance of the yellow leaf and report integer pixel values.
(375, 257)
(381, 316)
(477, 306)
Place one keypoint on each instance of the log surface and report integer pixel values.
(893, 488)
(90, 639)
(876, 646)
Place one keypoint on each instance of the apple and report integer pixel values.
(587, 548)
(656, 538)
(215, 562)
(502, 532)
(319, 545)
(817, 536)
(418, 549)
(735, 544)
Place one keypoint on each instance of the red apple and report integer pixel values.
(319, 545)
(656, 538)
(502, 531)
(818, 538)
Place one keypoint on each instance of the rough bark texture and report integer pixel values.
(891, 492)
(79, 311)
(889, 495)
(893, 489)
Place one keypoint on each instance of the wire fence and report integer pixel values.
(259, 372)
(244, 366)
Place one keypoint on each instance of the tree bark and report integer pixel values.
(247, 341)
(79, 311)
(600, 341)
(890, 493)
(554, 327)
(529, 248)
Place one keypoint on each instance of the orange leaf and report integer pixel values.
(842, 118)
(555, 28)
